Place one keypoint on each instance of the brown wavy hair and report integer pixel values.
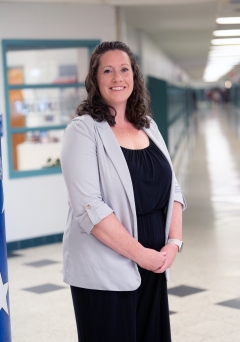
(138, 104)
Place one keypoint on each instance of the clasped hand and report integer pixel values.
(158, 262)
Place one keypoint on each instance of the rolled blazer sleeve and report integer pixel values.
(81, 175)
(178, 196)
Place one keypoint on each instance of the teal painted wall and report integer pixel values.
(159, 105)
(171, 107)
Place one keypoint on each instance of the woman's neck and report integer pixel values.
(120, 113)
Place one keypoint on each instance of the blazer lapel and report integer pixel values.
(115, 154)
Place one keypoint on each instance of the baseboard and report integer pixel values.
(34, 242)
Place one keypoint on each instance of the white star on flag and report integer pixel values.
(3, 295)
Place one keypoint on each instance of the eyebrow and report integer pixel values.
(107, 66)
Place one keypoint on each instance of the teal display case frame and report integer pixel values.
(37, 44)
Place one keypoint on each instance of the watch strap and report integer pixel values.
(177, 242)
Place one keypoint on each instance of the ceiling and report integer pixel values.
(182, 28)
(183, 31)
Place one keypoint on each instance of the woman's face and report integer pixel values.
(115, 77)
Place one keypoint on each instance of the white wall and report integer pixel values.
(154, 62)
(37, 206)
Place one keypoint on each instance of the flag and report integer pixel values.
(5, 331)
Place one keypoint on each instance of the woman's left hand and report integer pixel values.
(172, 251)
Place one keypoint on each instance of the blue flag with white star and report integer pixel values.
(5, 331)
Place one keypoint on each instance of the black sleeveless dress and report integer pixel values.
(151, 178)
(141, 315)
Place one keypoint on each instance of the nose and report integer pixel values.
(117, 77)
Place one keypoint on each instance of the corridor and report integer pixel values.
(204, 295)
(204, 288)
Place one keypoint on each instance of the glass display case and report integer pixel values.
(44, 84)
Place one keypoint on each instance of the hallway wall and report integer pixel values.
(154, 62)
(37, 206)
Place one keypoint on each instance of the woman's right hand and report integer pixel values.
(111, 232)
(151, 260)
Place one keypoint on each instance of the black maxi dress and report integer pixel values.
(141, 315)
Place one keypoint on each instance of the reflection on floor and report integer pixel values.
(204, 291)
(211, 257)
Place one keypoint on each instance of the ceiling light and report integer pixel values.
(225, 41)
(223, 53)
(212, 64)
(224, 58)
(225, 48)
(228, 20)
(213, 72)
(226, 33)
(228, 84)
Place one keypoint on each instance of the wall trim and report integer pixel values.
(34, 242)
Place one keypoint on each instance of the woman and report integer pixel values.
(125, 207)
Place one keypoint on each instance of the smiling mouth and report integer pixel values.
(117, 88)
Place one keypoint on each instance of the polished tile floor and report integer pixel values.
(204, 291)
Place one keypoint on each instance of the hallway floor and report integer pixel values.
(204, 290)
(210, 260)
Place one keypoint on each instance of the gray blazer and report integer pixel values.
(99, 183)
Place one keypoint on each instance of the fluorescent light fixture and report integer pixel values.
(225, 41)
(214, 71)
(224, 60)
(226, 33)
(224, 53)
(225, 47)
(223, 56)
(210, 79)
(218, 62)
(228, 20)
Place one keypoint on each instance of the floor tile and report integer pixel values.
(41, 263)
(211, 329)
(44, 288)
(183, 290)
(233, 336)
(233, 303)
(12, 254)
(172, 312)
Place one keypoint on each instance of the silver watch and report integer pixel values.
(177, 242)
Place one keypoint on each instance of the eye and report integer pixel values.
(125, 69)
(107, 71)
